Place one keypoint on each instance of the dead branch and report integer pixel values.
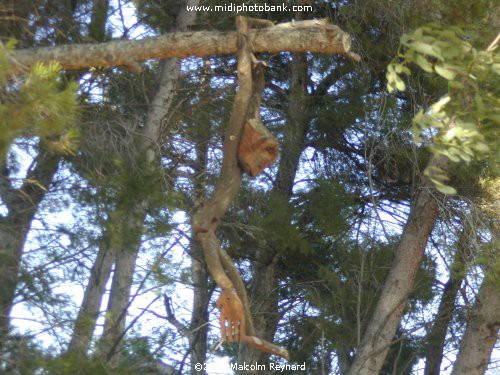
(235, 319)
(302, 36)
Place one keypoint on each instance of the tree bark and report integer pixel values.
(201, 296)
(380, 332)
(437, 335)
(97, 27)
(114, 326)
(22, 205)
(344, 360)
(199, 317)
(298, 125)
(91, 304)
(481, 333)
(99, 273)
(301, 36)
(125, 257)
(119, 296)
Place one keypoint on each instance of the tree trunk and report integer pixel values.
(344, 360)
(91, 304)
(131, 220)
(199, 317)
(437, 335)
(298, 125)
(22, 205)
(99, 273)
(123, 238)
(201, 295)
(114, 326)
(119, 298)
(481, 333)
(382, 327)
(99, 17)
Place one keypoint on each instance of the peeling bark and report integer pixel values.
(264, 289)
(302, 36)
(235, 317)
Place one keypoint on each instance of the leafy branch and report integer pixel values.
(38, 103)
(464, 122)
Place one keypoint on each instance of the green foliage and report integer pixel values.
(351, 273)
(279, 227)
(23, 355)
(74, 364)
(38, 104)
(465, 121)
(138, 358)
(158, 14)
(324, 207)
(402, 355)
(490, 260)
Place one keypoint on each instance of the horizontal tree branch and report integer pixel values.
(311, 35)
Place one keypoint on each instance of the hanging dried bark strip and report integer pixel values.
(258, 147)
(235, 320)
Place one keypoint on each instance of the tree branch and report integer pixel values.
(302, 36)
(181, 328)
(235, 318)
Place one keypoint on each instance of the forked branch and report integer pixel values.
(235, 319)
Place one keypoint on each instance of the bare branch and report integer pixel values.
(171, 316)
(302, 36)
